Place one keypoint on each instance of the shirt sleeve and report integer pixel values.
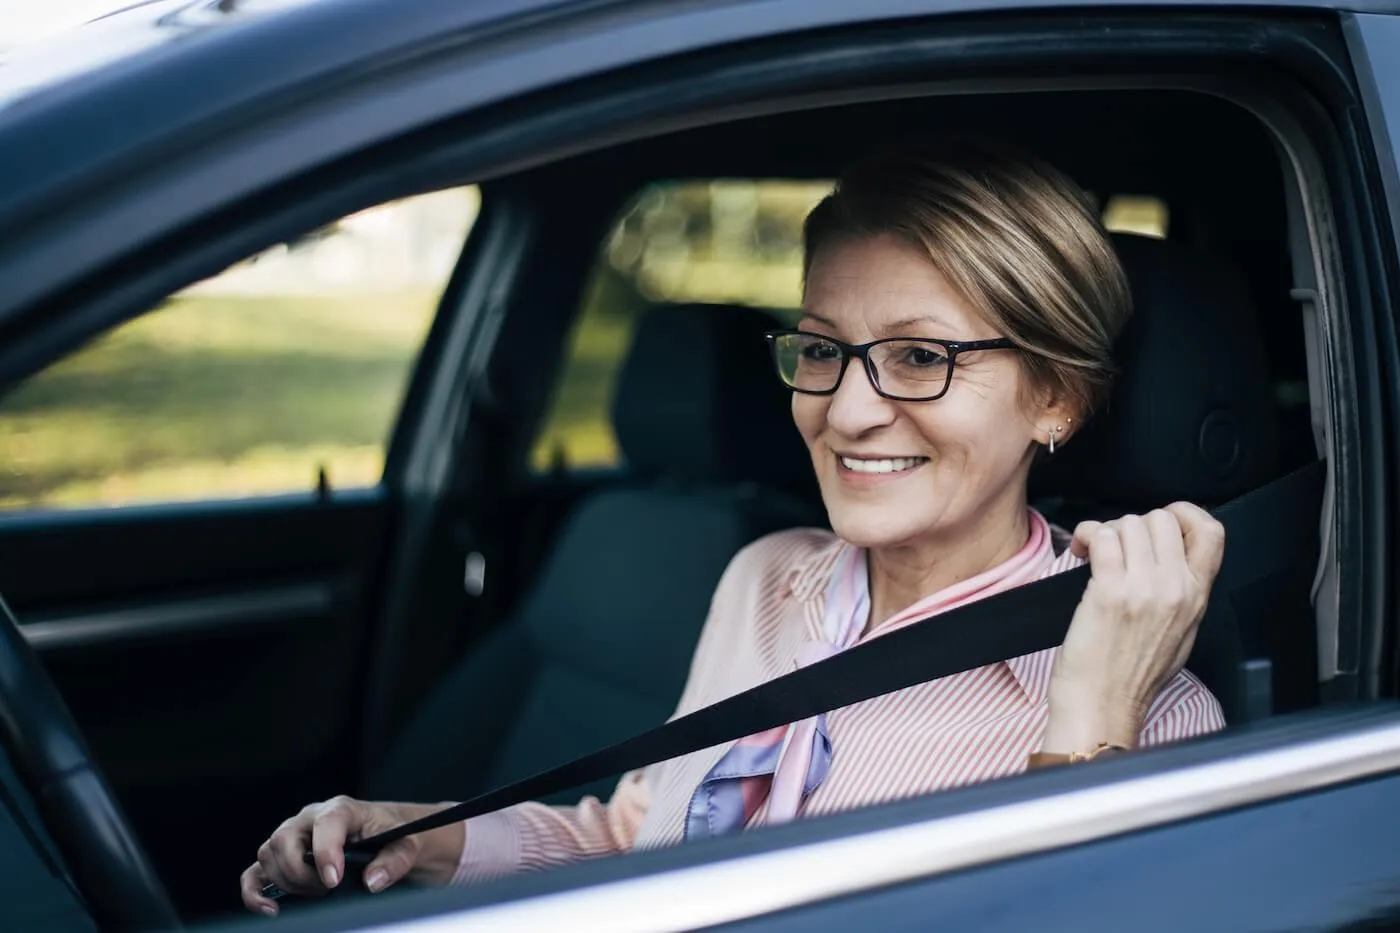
(1185, 708)
(535, 835)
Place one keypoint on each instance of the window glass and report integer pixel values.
(283, 371)
(726, 241)
(731, 241)
(1136, 213)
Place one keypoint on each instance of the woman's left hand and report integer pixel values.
(1134, 628)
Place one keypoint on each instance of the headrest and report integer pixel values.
(1191, 414)
(698, 399)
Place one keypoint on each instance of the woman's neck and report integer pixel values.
(902, 575)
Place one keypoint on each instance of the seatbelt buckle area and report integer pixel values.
(356, 860)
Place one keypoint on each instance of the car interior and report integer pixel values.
(597, 579)
(1206, 408)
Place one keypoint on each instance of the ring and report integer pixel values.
(272, 892)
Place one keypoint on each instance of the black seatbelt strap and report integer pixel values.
(1262, 537)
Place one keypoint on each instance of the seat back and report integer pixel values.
(600, 648)
(1192, 417)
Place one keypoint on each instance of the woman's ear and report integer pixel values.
(1058, 418)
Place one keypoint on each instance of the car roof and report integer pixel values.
(175, 33)
(118, 35)
(184, 30)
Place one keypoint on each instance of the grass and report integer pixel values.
(216, 396)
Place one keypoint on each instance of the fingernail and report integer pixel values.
(269, 910)
(376, 880)
(330, 876)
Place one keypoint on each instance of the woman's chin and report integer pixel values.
(872, 528)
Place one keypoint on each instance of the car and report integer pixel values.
(356, 356)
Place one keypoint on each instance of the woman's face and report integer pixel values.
(896, 474)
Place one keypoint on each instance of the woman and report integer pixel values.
(960, 305)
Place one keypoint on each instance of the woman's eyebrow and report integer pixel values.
(809, 316)
(903, 323)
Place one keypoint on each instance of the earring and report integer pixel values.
(1051, 434)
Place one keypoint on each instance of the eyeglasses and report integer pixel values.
(903, 369)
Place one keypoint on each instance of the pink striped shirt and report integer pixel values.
(958, 730)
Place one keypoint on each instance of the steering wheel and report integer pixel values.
(81, 814)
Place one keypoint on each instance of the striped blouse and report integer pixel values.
(957, 730)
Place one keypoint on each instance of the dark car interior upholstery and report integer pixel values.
(600, 648)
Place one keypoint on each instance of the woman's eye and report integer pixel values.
(822, 351)
(924, 356)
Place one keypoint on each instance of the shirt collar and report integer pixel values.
(807, 580)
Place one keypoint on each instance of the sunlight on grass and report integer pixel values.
(254, 382)
(215, 397)
(267, 471)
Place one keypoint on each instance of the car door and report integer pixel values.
(193, 518)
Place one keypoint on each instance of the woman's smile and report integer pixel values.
(867, 471)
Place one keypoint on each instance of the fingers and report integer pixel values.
(1180, 531)
(281, 861)
(320, 829)
(1203, 538)
(1138, 555)
(250, 884)
(329, 829)
(391, 864)
(1166, 534)
(1099, 543)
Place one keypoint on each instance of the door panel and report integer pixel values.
(210, 655)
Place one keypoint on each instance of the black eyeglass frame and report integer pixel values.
(951, 350)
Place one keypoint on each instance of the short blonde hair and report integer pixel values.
(1018, 239)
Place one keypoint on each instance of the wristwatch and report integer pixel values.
(1049, 759)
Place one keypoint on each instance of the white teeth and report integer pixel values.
(881, 466)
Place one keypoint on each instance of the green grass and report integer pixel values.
(216, 396)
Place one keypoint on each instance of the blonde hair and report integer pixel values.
(1018, 239)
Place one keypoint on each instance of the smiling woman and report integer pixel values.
(982, 295)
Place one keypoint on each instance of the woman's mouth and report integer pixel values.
(878, 466)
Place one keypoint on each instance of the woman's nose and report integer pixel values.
(856, 407)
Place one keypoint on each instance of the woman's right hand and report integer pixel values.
(324, 828)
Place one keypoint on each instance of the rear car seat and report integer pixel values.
(600, 648)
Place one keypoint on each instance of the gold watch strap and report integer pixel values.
(1050, 759)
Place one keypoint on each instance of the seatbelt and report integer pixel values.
(1267, 531)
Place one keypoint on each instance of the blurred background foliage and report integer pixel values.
(727, 241)
(292, 365)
